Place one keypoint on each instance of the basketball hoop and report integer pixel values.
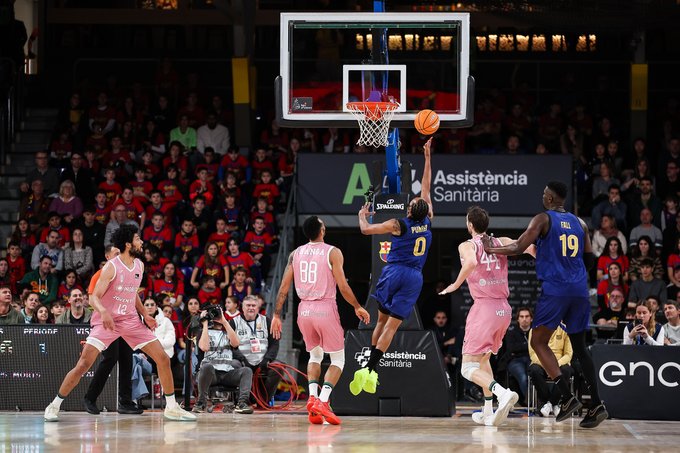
(374, 121)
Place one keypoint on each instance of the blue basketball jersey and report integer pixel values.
(410, 249)
(559, 256)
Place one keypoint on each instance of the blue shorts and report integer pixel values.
(573, 311)
(398, 289)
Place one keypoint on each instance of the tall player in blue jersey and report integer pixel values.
(401, 279)
(563, 255)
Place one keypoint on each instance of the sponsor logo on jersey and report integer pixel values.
(385, 248)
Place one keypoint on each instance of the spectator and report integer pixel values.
(158, 234)
(655, 308)
(646, 228)
(93, 234)
(607, 229)
(237, 258)
(233, 161)
(120, 217)
(152, 140)
(118, 158)
(516, 344)
(54, 224)
(261, 209)
(42, 281)
(5, 277)
(669, 212)
(609, 319)
(259, 164)
(51, 249)
(69, 282)
(632, 186)
(23, 236)
(239, 288)
(42, 171)
(76, 314)
(209, 293)
(600, 157)
(158, 205)
(259, 244)
(673, 289)
(171, 285)
(193, 111)
(337, 141)
(614, 157)
(141, 187)
(31, 301)
(446, 339)
(669, 183)
(111, 188)
(561, 346)
(184, 134)
(177, 158)
(602, 182)
(16, 265)
(102, 114)
(672, 327)
(163, 115)
(644, 329)
(644, 249)
(82, 178)
(42, 315)
(231, 308)
(164, 331)
(612, 206)
(613, 252)
(213, 135)
(210, 163)
(671, 235)
(133, 209)
(673, 261)
(644, 200)
(605, 286)
(7, 314)
(266, 188)
(647, 285)
(232, 213)
(211, 264)
(257, 346)
(67, 204)
(57, 309)
(191, 310)
(171, 188)
(220, 236)
(187, 246)
(35, 205)
(671, 154)
(218, 365)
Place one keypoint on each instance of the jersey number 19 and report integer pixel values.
(569, 245)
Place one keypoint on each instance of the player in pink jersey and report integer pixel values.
(489, 317)
(118, 310)
(316, 268)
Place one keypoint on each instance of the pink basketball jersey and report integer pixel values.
(489, 280)
(312, 271)
(121, 295)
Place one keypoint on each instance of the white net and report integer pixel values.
(374, 121)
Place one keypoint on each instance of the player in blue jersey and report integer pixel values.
(401, 279)
(563, 257)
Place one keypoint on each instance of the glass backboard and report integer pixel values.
(419, 60)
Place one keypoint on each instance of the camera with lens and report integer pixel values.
(211, 313)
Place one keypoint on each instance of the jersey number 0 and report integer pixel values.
(419, 246)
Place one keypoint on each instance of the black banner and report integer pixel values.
(411, 376)
(522, 282)
(33, 362)
(504, 185)
(639, 382)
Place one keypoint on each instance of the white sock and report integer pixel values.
(314, 389)
(325, 392)
(497, 389)
(170, 401)
(57, 402)
(488, 406)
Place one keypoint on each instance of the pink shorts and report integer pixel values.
(486, 324)
(319, 323)
(136, 334)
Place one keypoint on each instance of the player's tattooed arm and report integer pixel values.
(281, 297)
(390, 226)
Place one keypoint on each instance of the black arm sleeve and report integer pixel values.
(402, 227)
(589, 260)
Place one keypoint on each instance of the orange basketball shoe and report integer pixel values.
(314, 418)
(325, 410)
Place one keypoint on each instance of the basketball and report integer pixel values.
(426, 122)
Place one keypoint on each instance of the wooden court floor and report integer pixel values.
(290, 432)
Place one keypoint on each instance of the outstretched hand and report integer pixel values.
(449, 289)
(365, 210)
(426, 147)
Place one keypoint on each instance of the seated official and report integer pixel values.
(218, 366)
(672, 327)
(257, 346)
(644, 330)
(561, 346)
(611, 320)
(446, 337)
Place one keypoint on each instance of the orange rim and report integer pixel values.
(372, 110)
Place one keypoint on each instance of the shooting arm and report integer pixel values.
(390, 226)
(427, 177)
